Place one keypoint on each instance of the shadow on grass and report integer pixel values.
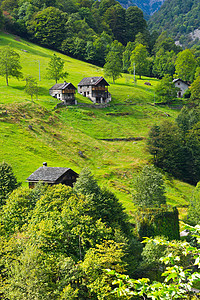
(20, 88)
(43, 91)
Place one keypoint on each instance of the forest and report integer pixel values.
(180, 19)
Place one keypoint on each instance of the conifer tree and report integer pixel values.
(8, 181)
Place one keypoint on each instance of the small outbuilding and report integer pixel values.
(52, 175)
(95, 88)
(64, 92)
(182, 85)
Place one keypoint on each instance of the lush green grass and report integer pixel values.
(57, 136)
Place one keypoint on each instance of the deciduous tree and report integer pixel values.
(10, 64)
(31, 87)
(195, 90)
(166, 90)
(178, 279)
(139, 60)
(185, 65)
(113, 65)
(55, 69)
(48, 27)
(149, 188)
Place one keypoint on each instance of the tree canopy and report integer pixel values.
(113, 65)
(185, 65)
(8, 181)
(10, 64)
(149, 188)
(55, 69)
(166, 90)
(139, 60)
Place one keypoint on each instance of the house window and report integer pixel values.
(88, 93)
(178, 83)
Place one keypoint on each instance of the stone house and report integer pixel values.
(182, 85)
(95, 88)
(64, 92)
(52, 175)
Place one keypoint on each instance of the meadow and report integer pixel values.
(32, 132)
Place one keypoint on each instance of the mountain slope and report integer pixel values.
(149, 7)
(32, 132)
(181, 19)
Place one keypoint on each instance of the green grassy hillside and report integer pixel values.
(57, 136)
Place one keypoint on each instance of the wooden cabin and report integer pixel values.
(95, 88)
(64, 92)
(52, 175)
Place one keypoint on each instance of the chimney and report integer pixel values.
(44, 164)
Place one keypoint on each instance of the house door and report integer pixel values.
(179, 94)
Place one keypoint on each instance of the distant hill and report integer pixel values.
(149, 7)
(181, 19)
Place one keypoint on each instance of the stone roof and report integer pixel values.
(62, 86)
(48, 174)
(92, 81)
(179, 79)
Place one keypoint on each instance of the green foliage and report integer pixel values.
(115, 18)
(106, 255)
(86, 184)
(47, 240)
(185, 65)
(176, 148)
(153, 222)
(31, 87)
(164, 44)
(179, 19)
(10, 64)
(61, 216)
(166, 90)
(1, 19)
(135, 22)
(194, 207)
(151, 265)
(17, 211)
(127, 55)
(55, 68)
(139, 58)
(113, 65)
(8, 181)
(195, 90)
(105, 205)
(170, 151)
(149, 188)
(164, 63)
(187, 118)
(48, 27)
(178, 279)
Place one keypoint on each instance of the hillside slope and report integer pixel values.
(32, 132)
(180, 19)
(149, 7)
